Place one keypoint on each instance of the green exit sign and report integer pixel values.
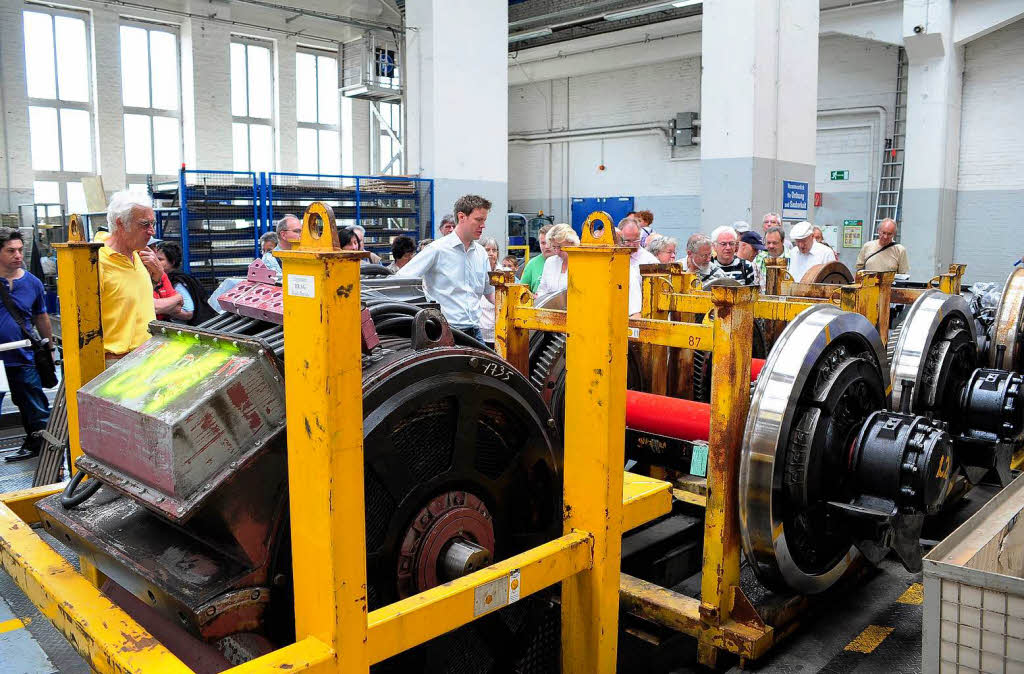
(839, 175)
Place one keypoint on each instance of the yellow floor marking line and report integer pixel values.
(14, 624)
(913, 595)
(868, 640)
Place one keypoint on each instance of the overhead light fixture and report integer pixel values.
(649, 9)
(529, 34)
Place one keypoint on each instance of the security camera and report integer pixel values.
(918, 29)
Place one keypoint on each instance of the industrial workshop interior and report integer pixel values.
(525, 337)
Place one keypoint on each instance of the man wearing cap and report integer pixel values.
(884, 254)
(726, 242)
(752, 250)
(806, 252)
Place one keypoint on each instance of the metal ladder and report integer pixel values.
(889, 198)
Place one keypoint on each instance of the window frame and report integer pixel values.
(151, 112)
(61, 176)
(247, 120)
(317, 52)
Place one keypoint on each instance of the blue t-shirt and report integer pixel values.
(27, 296)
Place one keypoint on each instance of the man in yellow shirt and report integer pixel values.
(126, 291)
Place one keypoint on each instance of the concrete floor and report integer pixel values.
(876, 627)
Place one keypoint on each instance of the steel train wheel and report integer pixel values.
(457, 447)
(832, 272)
(821, 381)
(1006, 331)
(936, 348)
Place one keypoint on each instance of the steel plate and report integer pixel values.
(917, 335)
(772, 412)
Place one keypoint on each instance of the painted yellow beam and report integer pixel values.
(671, 333)
(681, 613)
(412, 621)
(324, 402)
(78, 288)
(104, 635)
(643, 499)
(595, 423)
(545, 320)
(308, 655)
(23, 502)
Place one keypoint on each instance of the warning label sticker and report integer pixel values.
(513, 586)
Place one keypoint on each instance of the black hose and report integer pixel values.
(69, 499)
(393, 321)
(394, 308)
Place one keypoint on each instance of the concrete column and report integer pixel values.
(934, 87)
(206, 88)
(457, 102)
(285, 94)
(109, 153)
(355, 137)
(759, 91)
(15, 150)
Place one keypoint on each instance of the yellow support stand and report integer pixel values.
(730, 402)
(324, 389)
(594, 447)
(81, 329)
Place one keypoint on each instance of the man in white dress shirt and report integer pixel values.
(454, 267)
(631, 234)
(806, 252)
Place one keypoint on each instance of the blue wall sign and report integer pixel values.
(794, 200)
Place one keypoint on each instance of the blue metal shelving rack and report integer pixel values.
(385, 206)
(220, 215)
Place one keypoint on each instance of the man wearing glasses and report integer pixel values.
(289, 231)
(726, 243)
(126, 292)
(630, 229)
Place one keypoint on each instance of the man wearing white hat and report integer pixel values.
(806, 252)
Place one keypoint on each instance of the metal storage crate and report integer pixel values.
(974, 592)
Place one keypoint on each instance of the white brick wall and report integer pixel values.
(852, 73)
(991, 143)
(990, 196)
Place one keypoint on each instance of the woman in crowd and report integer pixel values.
(662, 247)
(555, 277)
(195, 307)
(486, 307)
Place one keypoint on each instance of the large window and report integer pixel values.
(152, 103)
(316, 110)
(59, 87)
(252, 105)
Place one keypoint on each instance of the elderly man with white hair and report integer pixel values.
(698, 259)
(727, 242)
(126, 290)
(630, 228)
(806, 252)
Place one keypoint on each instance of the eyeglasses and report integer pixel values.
(631, 242)
(146, 223)
(727, 244)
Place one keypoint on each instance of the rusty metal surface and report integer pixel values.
(833, 272)
(1006, 332)
(175, 418)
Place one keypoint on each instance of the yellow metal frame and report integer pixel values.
(525, 249)
(335, 633)
(722, 619)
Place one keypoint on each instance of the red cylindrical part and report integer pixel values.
(756, 365)
(671, 417)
